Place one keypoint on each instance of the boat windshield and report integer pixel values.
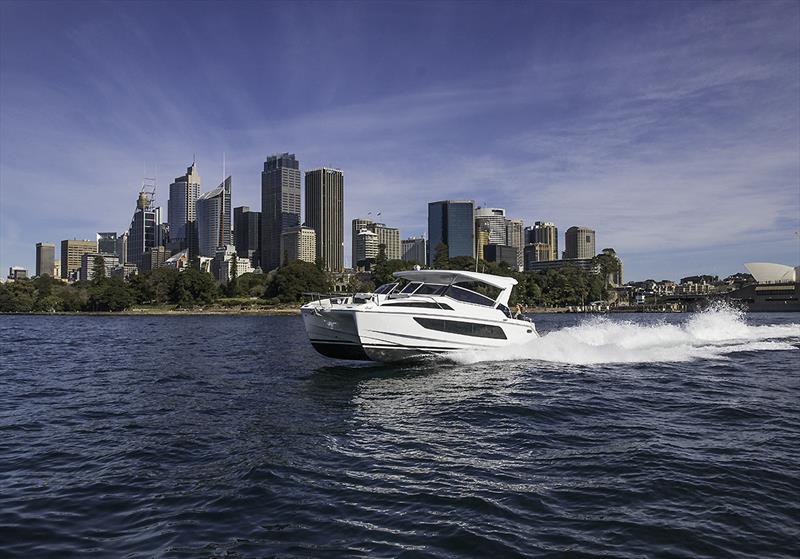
(473, 292)
(410, 287)
(385, 288)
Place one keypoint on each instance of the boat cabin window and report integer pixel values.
(385, 288)
(474, 292)
(431, 289)
(410, 287)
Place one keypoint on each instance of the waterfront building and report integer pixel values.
(414, 249)
(88, 262)
(153, 257)
(223, 264)
(247, 233)
(214, 219)
(124, 271)
(357, 225)
(182, 211)
(515, 237)
(366, 249)
(57, 269)
(145, 229)
(299, 243)
(325, 214)
(536, 252)
(580, 243)
(71, 252)
(107, 243)
(121, 249)
(45, 259)
(546, 233)
(17, 273)
(389, 237)
(280, 205)
(492, 220)
(451, 222)
(501, 253)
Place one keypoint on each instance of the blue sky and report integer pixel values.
(671, 128)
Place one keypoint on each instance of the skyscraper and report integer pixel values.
(247, 233)
(145, 228)
(580, 243)
(451, 222)
(516, 238)
(214, 219)
(492, 220)
(546, 233)
(280, 205)
(366, 248)
(181, 211)
(71, 252)
(299, 243)
(414, 250)
(389, 237)
(107, 243)
(122, 248)
(325, 214)
(45, 258)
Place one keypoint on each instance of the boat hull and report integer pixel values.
(369, 334)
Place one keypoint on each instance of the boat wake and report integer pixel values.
(711, 334)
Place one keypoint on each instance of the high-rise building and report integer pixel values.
(481, 240)
(280, 205)
(107, 243)
(492, 220)
(122, 248)
(580, 243)
(516, 238)
(414, 250)
(45, 259)
(88, 263)
(325, 214)
(299, 243)
(214, 219)
(389, 237)
(181, 211)
(358, 224)
(451, 222)
(500, 253)
(17, 273)
(247, 233)
(145, 229)
(536, 252)
(71, 252)
(546, 233)
(366, 248)
(153, 257)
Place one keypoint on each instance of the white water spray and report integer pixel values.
(711, 334)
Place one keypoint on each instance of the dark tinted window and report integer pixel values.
(443, 306)
(385, 288)
(463, 328)
(468, 296)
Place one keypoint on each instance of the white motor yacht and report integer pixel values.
(426, 312)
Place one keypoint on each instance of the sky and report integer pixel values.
(671, 128)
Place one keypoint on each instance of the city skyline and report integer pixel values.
(675, 141)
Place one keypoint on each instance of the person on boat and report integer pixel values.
(519, 312)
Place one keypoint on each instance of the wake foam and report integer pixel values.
(711, 334)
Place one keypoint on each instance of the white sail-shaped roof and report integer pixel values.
(767, 272)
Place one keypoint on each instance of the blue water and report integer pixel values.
(638, 435)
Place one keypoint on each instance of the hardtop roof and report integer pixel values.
(452, 276)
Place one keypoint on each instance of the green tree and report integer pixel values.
(99, 270)
(440, 257)
(289, 282)
(111, 295)
(382, 270)
(232, 289)
(193, 287)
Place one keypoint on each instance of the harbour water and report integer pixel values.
(200, 436)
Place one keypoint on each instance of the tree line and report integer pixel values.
(286, 285)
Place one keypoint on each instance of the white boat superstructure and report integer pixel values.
(426, 312)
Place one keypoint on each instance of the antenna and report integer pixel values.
(223, 167)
